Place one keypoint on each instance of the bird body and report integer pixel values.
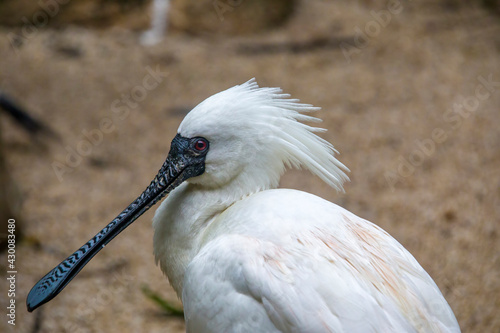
(288, 261)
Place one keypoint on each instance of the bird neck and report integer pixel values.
(181, 221)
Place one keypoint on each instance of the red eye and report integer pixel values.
(200, 145)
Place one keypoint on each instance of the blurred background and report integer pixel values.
(410, 95)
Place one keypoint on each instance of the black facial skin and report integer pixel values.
(185, 160)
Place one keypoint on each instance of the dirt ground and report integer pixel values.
(406, 102)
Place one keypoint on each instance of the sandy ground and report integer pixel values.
(408, 110)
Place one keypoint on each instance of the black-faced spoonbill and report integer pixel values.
(246, 257)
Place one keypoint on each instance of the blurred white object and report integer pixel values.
(159, 21)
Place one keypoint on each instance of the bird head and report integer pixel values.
(253, 134)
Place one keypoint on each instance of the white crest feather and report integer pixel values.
(270, 132)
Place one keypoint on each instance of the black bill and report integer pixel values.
(183, 162)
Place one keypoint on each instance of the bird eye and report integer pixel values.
(200, 145)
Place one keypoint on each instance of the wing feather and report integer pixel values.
(355, 278)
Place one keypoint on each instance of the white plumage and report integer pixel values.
(246, 257)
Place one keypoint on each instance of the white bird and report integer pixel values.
(246, 257)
